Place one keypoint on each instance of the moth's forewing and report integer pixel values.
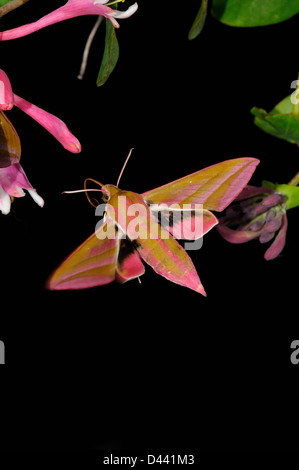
(10, 146)
(215, 187)
(92, 264)
(169, 259)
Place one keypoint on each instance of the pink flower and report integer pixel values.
(12, 183)
(6, 93)
(72, 9)
(53, 124)
(256, 213)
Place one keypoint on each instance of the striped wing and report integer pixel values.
(185, 224)
(92, 264)
(170, 260)
(214, 187)
(129, 264)
(10, 146)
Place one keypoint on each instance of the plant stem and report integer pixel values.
(87, 47)
(11, 6)
(295, 180)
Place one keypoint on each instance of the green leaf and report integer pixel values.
(4, 2)
(290, 191)
(268, 184)
(199, 21)
(292, 194)
(279, 122)
(285, 106)
(110, 56)
(244, 13)
(9, 5)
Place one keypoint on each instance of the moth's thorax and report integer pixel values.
(123, 206)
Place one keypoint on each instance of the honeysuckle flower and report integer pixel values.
(13, 181)
(256, 213)
(72, 9)
(51, 123)
(6, 93)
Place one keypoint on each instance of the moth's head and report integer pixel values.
(108, 191)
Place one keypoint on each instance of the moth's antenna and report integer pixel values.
(102, 191)
(85, 190)
(124, 165)
(80, 191)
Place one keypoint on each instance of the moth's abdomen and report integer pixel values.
(131, 214)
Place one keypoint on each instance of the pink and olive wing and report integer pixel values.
(169, 259)
(186, 224)
(129, 264)
(215, 187)
(10, 146)
(92, 264)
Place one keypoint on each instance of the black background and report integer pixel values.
(155, 365)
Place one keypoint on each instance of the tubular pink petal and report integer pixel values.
(6, 93)
(265, 237)
(54, 17)
(277, 246)
(71, 9)
(274, 224)
(251, 191)
(51, 123)
(236, 236)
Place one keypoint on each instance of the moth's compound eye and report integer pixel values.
(105, 197)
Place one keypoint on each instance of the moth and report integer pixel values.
(10, 146)
(116, 252)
